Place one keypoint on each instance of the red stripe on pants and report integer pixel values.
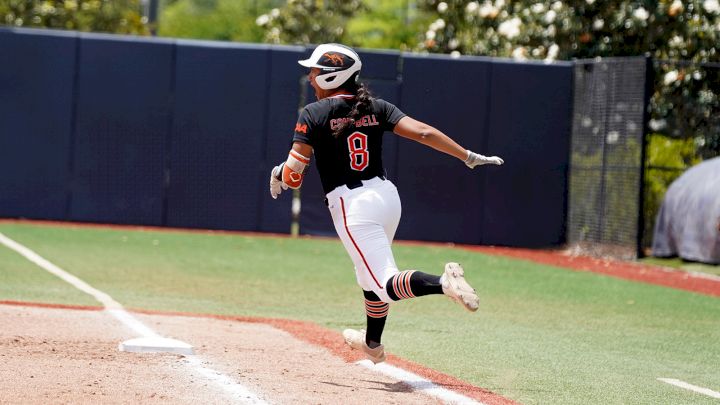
(342, 205)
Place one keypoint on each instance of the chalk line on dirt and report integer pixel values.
(112, 307)
(418, 383)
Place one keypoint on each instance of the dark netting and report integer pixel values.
(606, 156)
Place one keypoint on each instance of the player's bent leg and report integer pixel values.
(412, 283)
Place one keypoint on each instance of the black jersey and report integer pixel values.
(356, 154)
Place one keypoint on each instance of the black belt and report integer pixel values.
(355, 184)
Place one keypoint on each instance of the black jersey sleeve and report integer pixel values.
(391, 115)
(304, 127)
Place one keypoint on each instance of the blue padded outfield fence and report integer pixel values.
(148, 131)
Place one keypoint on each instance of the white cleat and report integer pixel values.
(356, 340)
(454, 286)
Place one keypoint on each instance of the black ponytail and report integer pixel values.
(362, 106)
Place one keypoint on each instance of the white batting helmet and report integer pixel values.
(338, 63)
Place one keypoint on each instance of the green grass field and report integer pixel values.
(680, 264)
(543, 335)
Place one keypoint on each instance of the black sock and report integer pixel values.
(376, 312)
(411, 284)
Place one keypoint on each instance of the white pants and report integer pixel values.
(366, 219)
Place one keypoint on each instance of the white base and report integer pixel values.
(156, 344)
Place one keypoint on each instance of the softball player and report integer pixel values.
(344, 131)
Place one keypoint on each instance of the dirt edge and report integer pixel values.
(319, 336)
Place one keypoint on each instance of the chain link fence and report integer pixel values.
(607, 155)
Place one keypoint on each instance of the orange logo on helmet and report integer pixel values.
(334, 58)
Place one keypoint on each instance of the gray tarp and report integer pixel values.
(688, 224)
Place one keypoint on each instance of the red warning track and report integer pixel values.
(319, 336)
(626, 270)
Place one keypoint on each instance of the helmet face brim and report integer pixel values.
(308, 63)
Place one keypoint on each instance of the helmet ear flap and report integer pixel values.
(333, 80)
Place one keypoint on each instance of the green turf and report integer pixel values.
(21, 280)
(678, 263)
(543, 335)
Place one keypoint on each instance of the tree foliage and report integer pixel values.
(685, 101)
(575, 29)
(116, 16)
(226, 20)
(310, 21)
(387, 24)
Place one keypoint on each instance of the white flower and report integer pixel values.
(499, 3)
(430, 35)
(550, 31)
(612, 137)
(676, 41)
(550, 16)
(262, 20)
(641, 14)
(438, 24)
(553, 52)
(453, 43)
(488, 10)
(510, 28)
(557, 6)
(442, 7)
(472, 7)
(537, 8)
(675, 8)
(697, 75)
(598, 24)
(657, 125)
(454, 54)
(670, 77)
(47, 8)
(590, 2)
(711, 6)
(275, 13)
(519, 53)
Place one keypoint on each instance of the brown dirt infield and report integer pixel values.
(68, 354)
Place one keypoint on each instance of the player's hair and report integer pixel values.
(363, 103)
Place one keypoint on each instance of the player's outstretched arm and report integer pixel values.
(291, 172)
(427, 135)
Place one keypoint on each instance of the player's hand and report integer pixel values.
(276, 185)
(476, 159)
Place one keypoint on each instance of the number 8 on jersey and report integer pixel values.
(357, 146)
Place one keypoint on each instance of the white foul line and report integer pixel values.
(418, 383)
(114, 308)
(687, 386)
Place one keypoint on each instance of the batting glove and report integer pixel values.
(276, 184)
(476, 159)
